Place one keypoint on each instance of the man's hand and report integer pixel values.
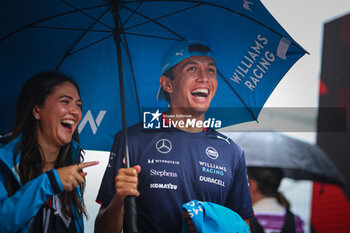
(72, 176)
(191, 227)
(110, 218)
(126, 182)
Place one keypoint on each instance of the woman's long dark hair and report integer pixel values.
(267, 178)
(34, 93)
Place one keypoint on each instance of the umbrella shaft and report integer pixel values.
(117, 39)
(130, 205)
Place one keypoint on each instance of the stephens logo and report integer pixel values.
(163, 173)
(212, 153)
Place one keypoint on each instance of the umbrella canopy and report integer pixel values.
(298, 159)
(81, 38)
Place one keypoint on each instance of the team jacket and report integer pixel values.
(18, 210)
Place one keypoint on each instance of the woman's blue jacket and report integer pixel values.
(18, 210)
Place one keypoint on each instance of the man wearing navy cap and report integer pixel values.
(179, 164)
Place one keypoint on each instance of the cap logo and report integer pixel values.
(181, 53)
(165, 67)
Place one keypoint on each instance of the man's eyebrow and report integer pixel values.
(194, 63)
(212, 64)
(189, 63)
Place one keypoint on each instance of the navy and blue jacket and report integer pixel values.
(18, 210)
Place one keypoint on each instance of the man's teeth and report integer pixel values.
(68, 122)
(200, 91)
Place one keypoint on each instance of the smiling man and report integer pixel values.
(191, 92)
(179, 164)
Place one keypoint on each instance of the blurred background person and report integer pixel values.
(271, 208)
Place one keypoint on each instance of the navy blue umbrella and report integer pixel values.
(97, 41)
(113, 49)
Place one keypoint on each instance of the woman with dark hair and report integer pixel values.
(272, 213)
(41, 174)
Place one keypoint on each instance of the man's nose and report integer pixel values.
(203, 75)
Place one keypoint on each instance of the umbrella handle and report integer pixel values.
(130, 223)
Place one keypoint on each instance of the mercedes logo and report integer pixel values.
(163, 146)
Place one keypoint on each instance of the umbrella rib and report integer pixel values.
(89, 45)
(79, 39)
(152, 20)
(69, 29)
(125, 44)
(152, 36)
(83, 12)
(228, 9)
(163, 16)
(43, 20)
(104, 5)
(239, 97)
(129, 17)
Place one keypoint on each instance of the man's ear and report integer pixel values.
(36, 113)
(166, 84)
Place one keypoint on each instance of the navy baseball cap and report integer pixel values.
(179, 52)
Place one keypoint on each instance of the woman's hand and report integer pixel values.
(72, 176)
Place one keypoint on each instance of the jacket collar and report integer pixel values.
(7, 152)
